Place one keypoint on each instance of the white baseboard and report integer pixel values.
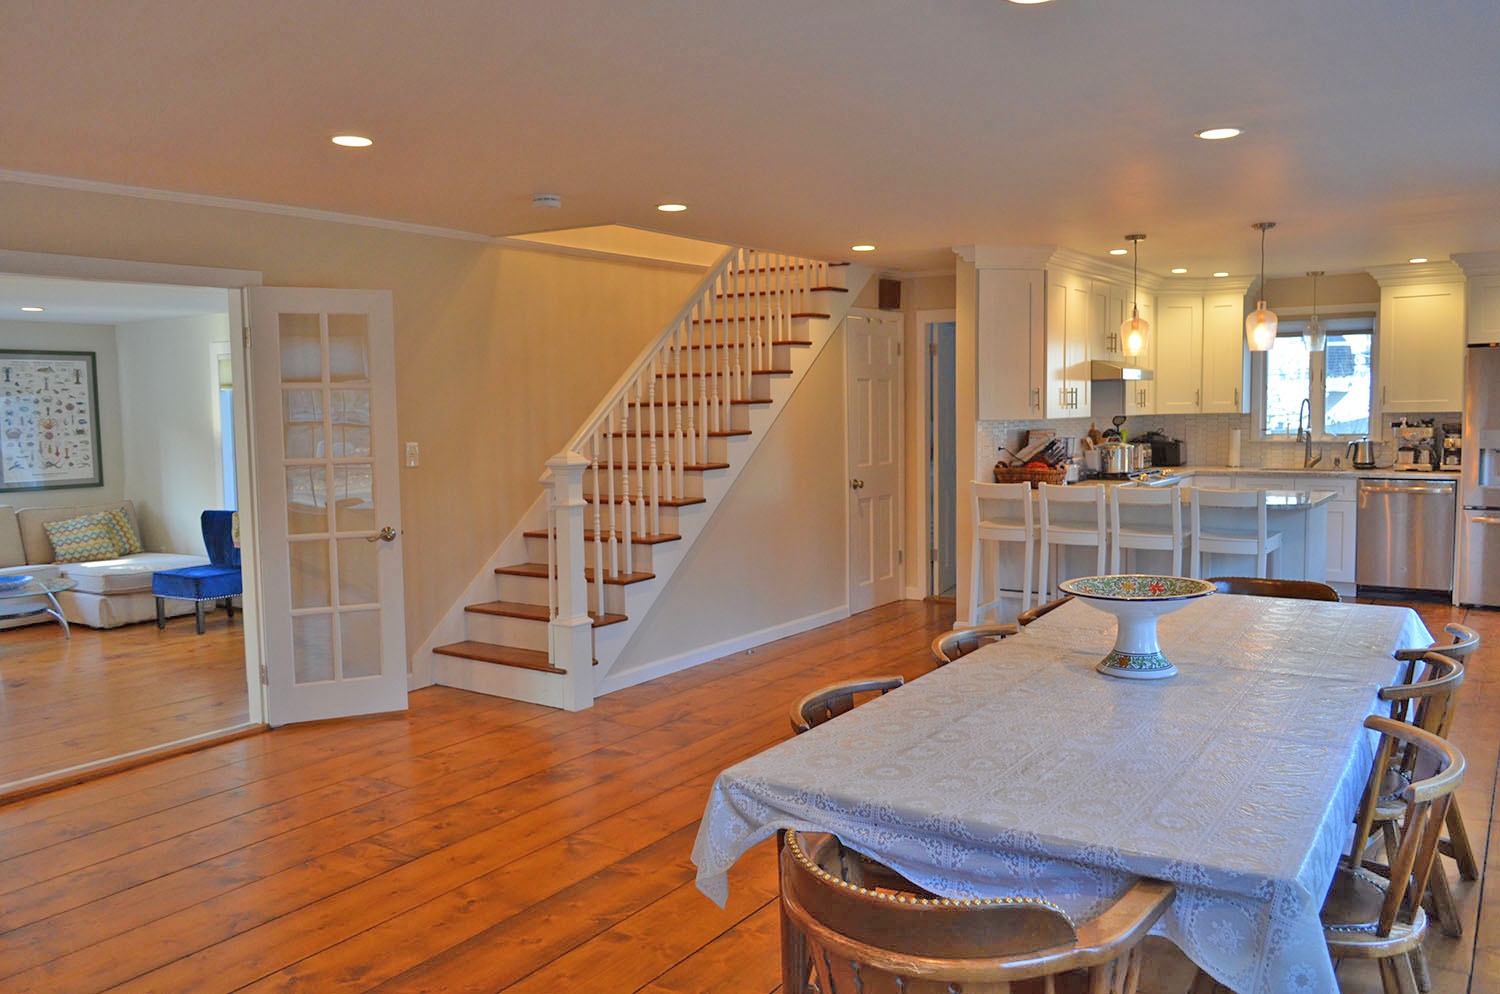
(687, 660)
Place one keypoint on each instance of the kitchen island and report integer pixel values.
(1300, 516)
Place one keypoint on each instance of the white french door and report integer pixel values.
(327, 502)
(873, 348)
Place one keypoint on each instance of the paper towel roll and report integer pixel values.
(1234, 447)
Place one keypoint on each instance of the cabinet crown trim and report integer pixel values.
(1409, 274)
(1478, 263)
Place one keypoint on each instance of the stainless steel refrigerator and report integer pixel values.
(1479, 521)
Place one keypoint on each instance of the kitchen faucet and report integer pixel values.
(1304, 435)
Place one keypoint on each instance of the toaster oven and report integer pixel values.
(1166, 452)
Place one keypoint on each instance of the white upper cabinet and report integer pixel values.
(1421, 338)
(1179, 353)
(1483, 271)
(1069, 300)
(1224, 365)
(1140, 395)
(1011, 345)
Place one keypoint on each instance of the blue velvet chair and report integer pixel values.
(218, 581)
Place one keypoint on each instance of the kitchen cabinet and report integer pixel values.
(1011, 343)
(1069, 297)
(1200, 353)
(1421, 338)
(1342, 524)
(1140, 395)
(1224, 365)
(1484, 310)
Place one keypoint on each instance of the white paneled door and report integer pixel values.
(328, 508)
(874, 392)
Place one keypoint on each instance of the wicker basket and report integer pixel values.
(1019, 474)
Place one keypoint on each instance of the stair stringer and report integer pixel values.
(611, 641)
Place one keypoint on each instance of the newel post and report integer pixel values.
(570, 635)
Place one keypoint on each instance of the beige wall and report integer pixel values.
(775, 550)
(488, 343)
(169, 401)
(100, 340)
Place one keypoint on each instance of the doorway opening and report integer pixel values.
(942, 453)
(114, 688)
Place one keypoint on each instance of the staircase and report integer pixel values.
(625, 499)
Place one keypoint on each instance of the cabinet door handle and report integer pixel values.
(1036, 398)
(1198, 398)
(1236, 398)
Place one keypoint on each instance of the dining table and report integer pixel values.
(1020, 770)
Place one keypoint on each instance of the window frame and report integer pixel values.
(1317, 376)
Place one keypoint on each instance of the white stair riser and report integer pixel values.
(522, 633)
(630, 450)
(691, 486)
(741, 357)
(640, 559)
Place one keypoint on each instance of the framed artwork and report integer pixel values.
(49, 425)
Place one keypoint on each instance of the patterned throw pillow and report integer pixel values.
(80, 540)
(127, 542)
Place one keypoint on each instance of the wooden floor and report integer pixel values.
(479, 845)
(68, 702)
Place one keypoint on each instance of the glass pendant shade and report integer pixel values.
(1315, 337)
(1260, 328)
(1133, 334)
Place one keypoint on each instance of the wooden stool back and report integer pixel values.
(829, 702)
(1307, 590)
(961, 641)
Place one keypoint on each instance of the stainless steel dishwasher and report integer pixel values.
(1406, 529)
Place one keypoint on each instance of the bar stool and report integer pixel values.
(1002, 513)
(1227, 539)
(1071, 516)
(1145, 518)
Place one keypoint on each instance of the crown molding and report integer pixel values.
(552, 248)
(231, 203)
(1478, 263)
(1406, 274)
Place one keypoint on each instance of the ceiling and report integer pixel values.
(1372, 127)
(93, 302)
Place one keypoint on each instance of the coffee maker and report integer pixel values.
(1416, 446)
(1453, 445)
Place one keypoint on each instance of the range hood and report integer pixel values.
(1114, 371)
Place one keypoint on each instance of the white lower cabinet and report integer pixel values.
(1342, 523)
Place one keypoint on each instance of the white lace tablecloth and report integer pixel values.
(1020, 770)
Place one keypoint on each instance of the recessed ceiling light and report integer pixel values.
(1418, 259)
(1221, 275)
(671, 208)
(1028, 3)
(1119, 251)
(1179, 271)
(33, 310)
(862, 248)
(1217, 134)
(352, 141)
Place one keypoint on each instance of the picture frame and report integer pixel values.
(49, 420)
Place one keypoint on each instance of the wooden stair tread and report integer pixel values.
(692, 467)
(810, 314)
(738, 345)
(747, 318)
(539, 571)
(725, 373)
(502, 655)
(534, 612)
(772, 293)
(661, 501)
(786, 269)
(588, 536)
(673, 403)
(722, 433)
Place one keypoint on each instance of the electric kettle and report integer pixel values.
(1362, 453)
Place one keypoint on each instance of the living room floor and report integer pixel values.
(100, 694)
(482, 845)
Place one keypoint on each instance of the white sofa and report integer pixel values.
(110, 592)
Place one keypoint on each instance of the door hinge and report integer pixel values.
(265, 677)
(932, 349)
(900, 556)
(932, 555)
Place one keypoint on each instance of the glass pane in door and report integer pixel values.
(301, 348)
(359, 638)
(348, 347)
(312, 648)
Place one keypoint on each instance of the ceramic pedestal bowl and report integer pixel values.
(1136, 601)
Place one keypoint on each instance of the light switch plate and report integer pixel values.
(412, 454)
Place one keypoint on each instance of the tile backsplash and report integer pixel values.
(1205, 438)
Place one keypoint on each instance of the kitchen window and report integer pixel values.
(1337, 382)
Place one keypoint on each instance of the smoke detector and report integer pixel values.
(546, 200)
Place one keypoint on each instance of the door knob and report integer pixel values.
(386, 534)
(857, 484)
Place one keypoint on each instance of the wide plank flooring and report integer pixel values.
(480, 845)
(65, 703)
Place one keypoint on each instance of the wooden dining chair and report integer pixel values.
(890, 939)
(831, 701)
(961, 641)
(1027, 617)
(1428, 702)
(1307, 590)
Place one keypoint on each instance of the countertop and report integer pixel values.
(1319, 470)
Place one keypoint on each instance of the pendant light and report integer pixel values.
(1260, 325)
(1133, 331)
(1315, 337)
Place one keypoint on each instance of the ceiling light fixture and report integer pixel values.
(351, 141)
(1419, 259)
(1315, 337)
(671, 208)
(1029, 3)
(861, 248)
(33, 310)
(1260, 324)
(1220, 275)
(1178, 271)
(1119, 251)
(1217, 134)
(1133, 332)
